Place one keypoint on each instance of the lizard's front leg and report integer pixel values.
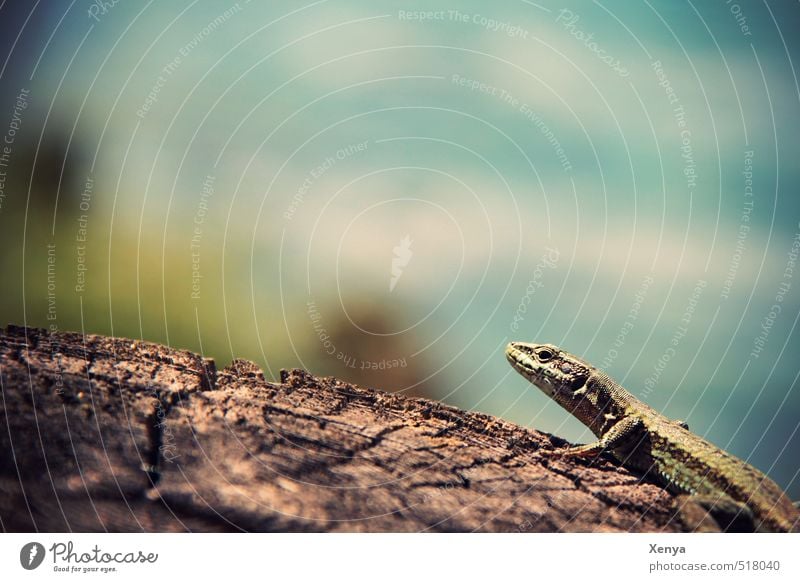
(620, 432)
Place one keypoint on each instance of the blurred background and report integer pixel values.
(389, 192)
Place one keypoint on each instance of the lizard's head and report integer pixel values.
(557, 373)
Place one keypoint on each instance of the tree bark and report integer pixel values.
(106, 434)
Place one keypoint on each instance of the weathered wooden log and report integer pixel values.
(106, 434)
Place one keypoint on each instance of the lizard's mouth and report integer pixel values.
(521, 362)
(529, 368)
(512, 355)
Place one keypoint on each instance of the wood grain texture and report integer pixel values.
(106, 434)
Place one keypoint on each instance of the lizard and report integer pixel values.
(708, 481)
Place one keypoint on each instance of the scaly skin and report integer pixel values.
(710, 480)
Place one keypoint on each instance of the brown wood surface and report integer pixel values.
(106, 434)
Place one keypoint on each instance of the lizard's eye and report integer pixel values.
(544, 355)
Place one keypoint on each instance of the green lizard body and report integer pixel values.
(709, 480)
